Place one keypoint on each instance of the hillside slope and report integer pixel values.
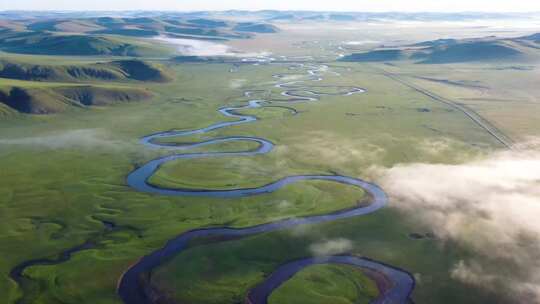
(144, 26)
(255, 28)
(116, 70)
(45, 43)
(48, 100)
(454, 51)
(468, 51)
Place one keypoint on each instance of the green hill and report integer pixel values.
(45, 43)
(55, 99)
(468, 51)
(115, 71)
(533, 38)
(445, 51)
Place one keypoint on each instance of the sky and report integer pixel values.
(335, 5)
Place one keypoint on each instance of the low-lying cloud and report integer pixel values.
(194, 47)
(361, 42)
(237, 83)
(334, 150)
(331, 247)
(490, 206)
(82, 138)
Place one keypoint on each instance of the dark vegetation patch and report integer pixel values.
(316, 17)
(283, 17)
(49, 25)
(341, 17)
(195, 59)
(143, 71)
(32, 101)
(100, 96)
(421, 236)
(374, 56)
(128, 32)
(253, 27)
(460, 83)
(208, 22)
(515, 68)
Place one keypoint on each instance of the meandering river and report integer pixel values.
(130, 286)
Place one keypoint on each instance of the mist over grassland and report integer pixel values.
(489, 205)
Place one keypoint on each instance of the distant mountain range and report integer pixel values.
(137, 26)
(110, 35)
(274, 15)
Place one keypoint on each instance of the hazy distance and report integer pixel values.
(337, 5)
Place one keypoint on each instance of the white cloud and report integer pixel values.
(237, 83)
(194, 47)
(489, 206)
(83, 138)
(330, 247)
(361, 42)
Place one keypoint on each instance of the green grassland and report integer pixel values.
(82, 180)
(338, 284)
(504, 93)
(63, 174)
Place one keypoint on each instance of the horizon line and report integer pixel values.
(275, 10)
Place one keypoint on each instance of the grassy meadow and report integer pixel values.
(64, 173)
(326, 283)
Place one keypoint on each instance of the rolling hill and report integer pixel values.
(46, 89)
(45, 43)
(453, 51)
(252, 27)
(468, 51)
(208, 22)
(144, 26)
(119, 70)
(341, 17)
(534, 37)
(54, 99)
